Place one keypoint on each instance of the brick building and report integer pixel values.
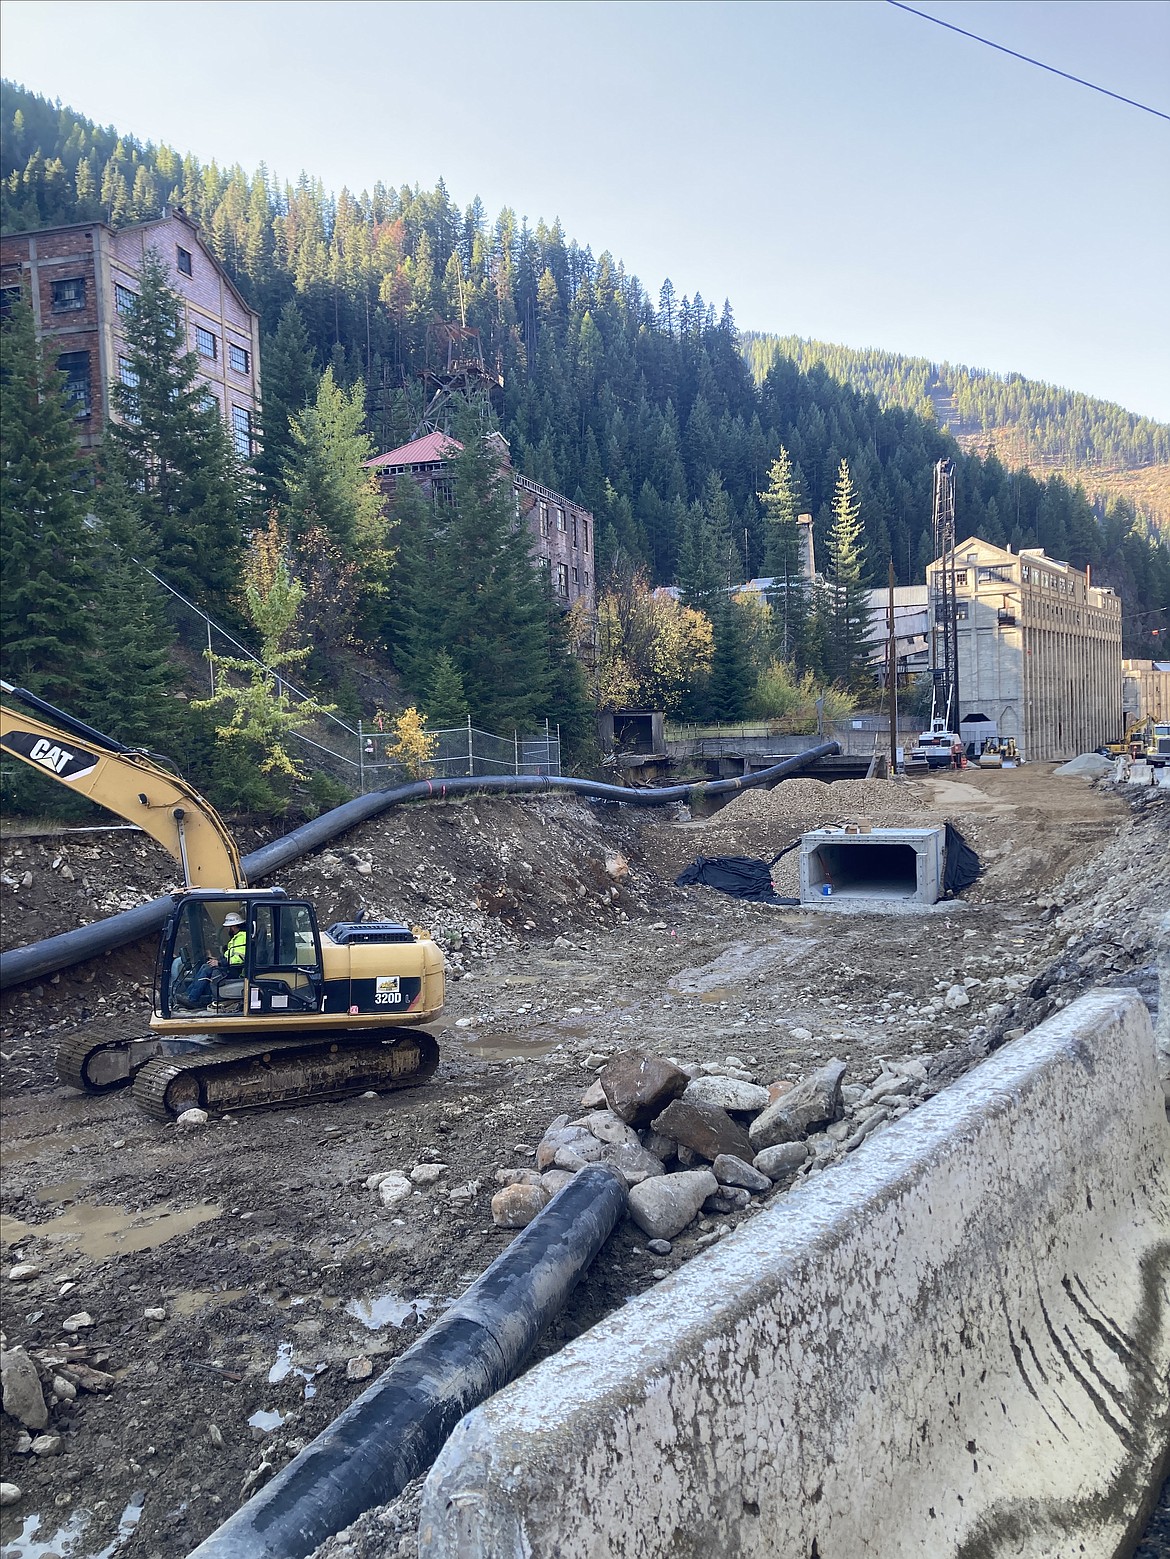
(81, 279)
(561, 531)
(1039, 648)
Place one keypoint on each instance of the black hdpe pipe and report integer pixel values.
(42, 958)
(396, 1428)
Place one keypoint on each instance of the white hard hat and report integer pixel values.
(232, 919)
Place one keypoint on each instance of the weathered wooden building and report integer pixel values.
(81, 281)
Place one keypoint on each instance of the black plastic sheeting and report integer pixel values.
(742, 876)
(961, 865)
(397, 1427)
(22, 964)
(746, 878)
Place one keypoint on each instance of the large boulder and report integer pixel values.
(727, 1093)
(20, 1384)
(664, 1205)
(637, 1087)
(812, 1102)
(705, 1129)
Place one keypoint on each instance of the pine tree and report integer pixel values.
(169, 434)
(783, 561)
(846, 598)
(45, 547)
(445, 702)
(329, 487)
(290, 384)
(131, 672)
(492, 600)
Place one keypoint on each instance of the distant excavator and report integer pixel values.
(254, 1006)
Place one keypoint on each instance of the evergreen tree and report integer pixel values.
(131, 672)
(492, 601)
(290, 384)
(846, 599)
(329, 488)
(170, 437)
(729, 691)
(45, 547)
(783, 559)
(445, 702)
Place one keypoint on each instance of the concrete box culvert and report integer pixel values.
(900, 864)
(955, 1344)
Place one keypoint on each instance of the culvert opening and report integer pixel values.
(865, 870)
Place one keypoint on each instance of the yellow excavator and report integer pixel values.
(254, 1005)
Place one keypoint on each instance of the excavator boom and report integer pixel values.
(127, 782)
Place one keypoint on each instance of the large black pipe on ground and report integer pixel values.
(396, 1428)
(39, 959)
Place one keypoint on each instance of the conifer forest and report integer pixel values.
(694, 446)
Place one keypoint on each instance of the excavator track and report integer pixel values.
(102, 1067)
(260, 1074)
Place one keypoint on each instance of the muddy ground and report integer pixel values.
(232, 1274)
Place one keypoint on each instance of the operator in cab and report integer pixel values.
(215, 969)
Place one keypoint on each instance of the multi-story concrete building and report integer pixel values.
(81, 281)
(562, 531)
(1145, 690)
(1039, 648)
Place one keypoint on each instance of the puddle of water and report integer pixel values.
(65, 1191)
(191, 1300)
(100, 1232)
(284, 1367)
(266, 1420)
(504, 1046)
(56, 1142)
(63, 1543)
(386, 1310)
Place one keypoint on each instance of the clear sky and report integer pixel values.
(837, 169)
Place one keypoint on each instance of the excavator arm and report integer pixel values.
(127, 782)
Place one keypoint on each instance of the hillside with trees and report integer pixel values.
(1041, 427)
(642, 408)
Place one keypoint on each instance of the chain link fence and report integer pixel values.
(357, 757)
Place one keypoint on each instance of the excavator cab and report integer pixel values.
(281, 973)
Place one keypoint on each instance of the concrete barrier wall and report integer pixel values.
(956, 1344)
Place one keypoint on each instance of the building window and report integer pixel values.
(9, 298)
(543, 518)
(124, 299)
(206, 344)
(998, 575)
(563, 579)
(585, 532)
(126, 374)
(576, 574)
(961, 577)
(585, 579)
(239, 360)
(242, 431)
(183, 260)
(560, 518)
(75, 367)
(209, 401)
(961, 611)
(69, 296)
(574, 530)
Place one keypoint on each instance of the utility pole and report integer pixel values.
(892, 675)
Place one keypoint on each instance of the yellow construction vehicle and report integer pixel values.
(1139, 736)
(254, 1005)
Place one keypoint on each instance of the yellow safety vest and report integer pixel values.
(236, 949)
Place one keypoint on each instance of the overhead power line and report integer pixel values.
(1027, 59)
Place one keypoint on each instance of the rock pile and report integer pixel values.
(705, 1139)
